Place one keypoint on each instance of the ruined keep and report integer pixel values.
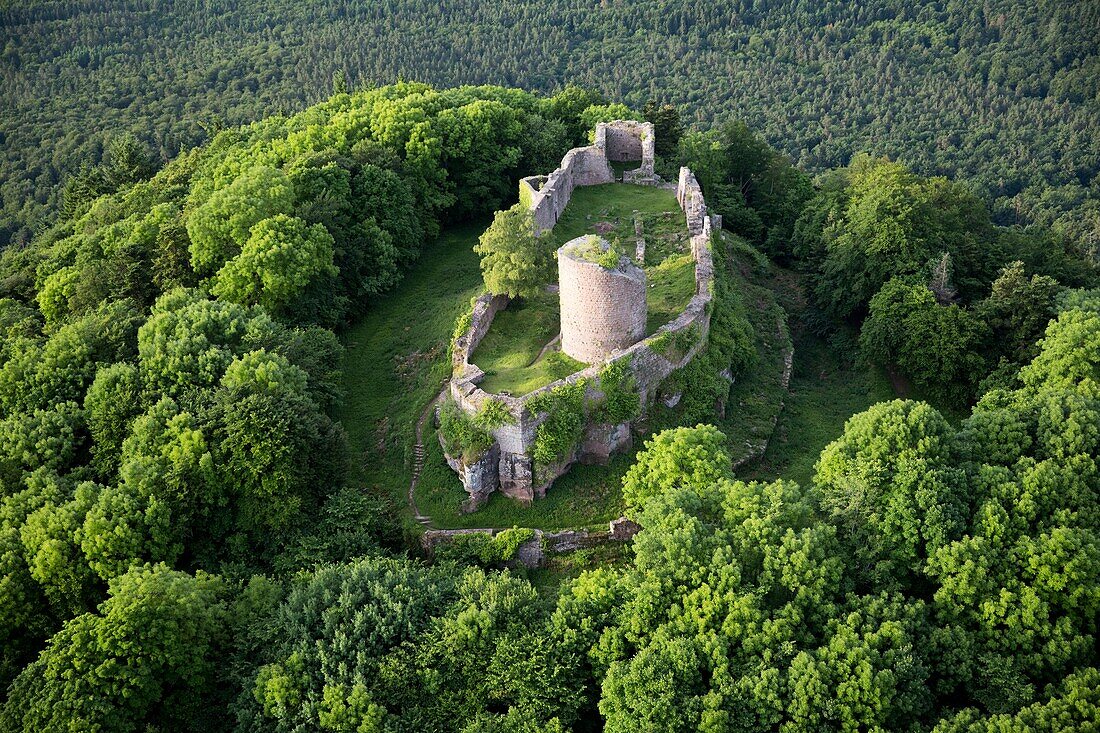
(603, 307)
(603, 311)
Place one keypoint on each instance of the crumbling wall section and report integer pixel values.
(484, 310)
(547, 196)
(629, 140)
(532, 554)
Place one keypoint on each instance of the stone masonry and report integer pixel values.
(648, 363)
(625, 141)
(603, 310)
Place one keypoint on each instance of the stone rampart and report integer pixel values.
(619, 141)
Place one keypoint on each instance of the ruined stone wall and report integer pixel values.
(690, 197)
(647, 362)
(547, 196)
(532, 554)
(484, 310)
(621, 140)
(628, 140)
(602, 310)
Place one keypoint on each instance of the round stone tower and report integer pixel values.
(602, 296)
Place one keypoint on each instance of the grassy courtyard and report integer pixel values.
(517, 355)
(511, 354)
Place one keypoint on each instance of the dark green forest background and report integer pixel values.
(1003, 94)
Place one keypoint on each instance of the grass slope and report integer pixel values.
(396, 360)
(827, 387)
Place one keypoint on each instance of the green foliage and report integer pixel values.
(1073, 704)
(388, 642)
(280, 259)
(610, 257)
(756, 190)
(462, 323)
(221, 225)
(949, 567)
(493, 414)
(937, 346)
(557, 435)
(729, 349)
(513, 260)
(113, 400)
(676, 458)
(481, 548)
(667, 126)
(890, 485)
(621, 401)
(597, 113)
(150, 656)
(470, 436)
(891, 222)
(1018, 310)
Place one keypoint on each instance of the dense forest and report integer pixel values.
(1002, 94)
(180, 548)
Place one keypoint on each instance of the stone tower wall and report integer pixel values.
(602, 310)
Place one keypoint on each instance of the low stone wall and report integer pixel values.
(532, 554)
(484, 310)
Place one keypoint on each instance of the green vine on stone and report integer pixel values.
(621, 402)
(558, 434)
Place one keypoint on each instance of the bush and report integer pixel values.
(482, 549)
(621, 401)
(462, 436)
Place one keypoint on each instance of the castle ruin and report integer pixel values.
(603, 316)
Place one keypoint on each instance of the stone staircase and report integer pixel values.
(420, 454)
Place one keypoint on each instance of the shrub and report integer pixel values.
(462, 435)
(462, 325)
(621, 401)
(482, 549)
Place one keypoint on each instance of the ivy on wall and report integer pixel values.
(559, 432)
